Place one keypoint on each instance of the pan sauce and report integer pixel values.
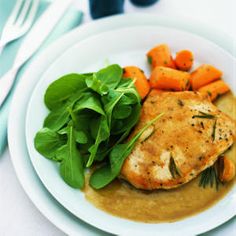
(120, 199)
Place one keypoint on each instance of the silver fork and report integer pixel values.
(19, 21)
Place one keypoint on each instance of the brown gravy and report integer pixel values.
(122, 200)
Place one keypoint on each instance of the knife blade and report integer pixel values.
(33, 40)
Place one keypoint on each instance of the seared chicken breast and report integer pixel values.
(187, 139)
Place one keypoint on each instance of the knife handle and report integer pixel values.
(6, 83)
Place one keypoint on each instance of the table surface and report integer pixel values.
(18, 215)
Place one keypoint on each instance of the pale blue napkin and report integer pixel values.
(71, 19)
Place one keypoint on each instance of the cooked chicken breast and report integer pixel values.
(187, 139)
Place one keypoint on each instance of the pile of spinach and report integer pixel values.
(90, 115)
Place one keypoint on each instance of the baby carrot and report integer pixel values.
(203, 75)
(169, 79)
(141, 82)
(160, 56)
(227, 169)
(184, 60)
(215, 89)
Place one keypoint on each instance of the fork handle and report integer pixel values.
(6, 83)
(2, 45)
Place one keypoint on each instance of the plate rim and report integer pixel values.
(154, 20)
(60, 199)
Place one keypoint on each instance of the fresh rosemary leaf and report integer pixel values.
(204, 115)
(217, 181)
(214, 130)
(174, 170)
(180, 103)
(209, 177)
(209, 93)
(203, 180)
(150, 60)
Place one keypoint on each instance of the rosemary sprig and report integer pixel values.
(204, 115)
(149, 60)
(209, 177)
(174, 170)
(213, 135)
(209, 93)
(180, 103)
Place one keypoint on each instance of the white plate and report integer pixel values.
(16, 139)
(121, 46)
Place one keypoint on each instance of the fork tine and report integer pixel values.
(19, 22)
(14, 12)
(31, 14)
(33, 8)
(23, 13)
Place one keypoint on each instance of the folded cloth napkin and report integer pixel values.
(70, 20)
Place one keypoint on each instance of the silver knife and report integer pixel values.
(34, 39)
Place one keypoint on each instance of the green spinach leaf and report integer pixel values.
(57, 118)
(109, 102)
(71, 168)
(80, 137)
(120, 126)
(105, 79)
(122, 111)
(101, 177)
(60, 90)
(89, 101)
(96, 85)
(110, 76)
(102, 134)
(47, 142)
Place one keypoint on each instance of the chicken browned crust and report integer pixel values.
(188, 138)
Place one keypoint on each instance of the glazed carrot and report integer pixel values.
(169, 79)
(160, 56)
(203, 75)
(227, 169)
(141, 82)
(184, 60)
(215, 89)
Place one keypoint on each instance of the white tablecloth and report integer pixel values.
(18, 215)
